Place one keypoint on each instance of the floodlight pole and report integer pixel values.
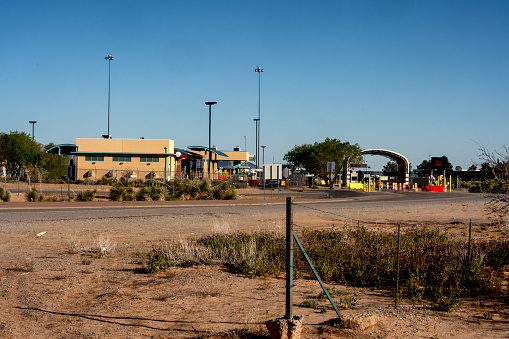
(259, 71)
(256, 141)
(33, 129)
(263, 158)
(210, 103)
(109, 58)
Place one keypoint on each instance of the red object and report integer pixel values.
(220, 177)
(254, 182)
(433, 188)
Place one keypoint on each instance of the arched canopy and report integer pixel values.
(401, 160)
(62, 149)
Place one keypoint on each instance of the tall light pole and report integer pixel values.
(33, 124)
(259, 71)
(210, 103)
(256, 141)
(263, 159)
(109, 58)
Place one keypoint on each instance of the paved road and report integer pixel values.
(344, 202)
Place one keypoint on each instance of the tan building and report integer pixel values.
(128, 158)
(145, 159)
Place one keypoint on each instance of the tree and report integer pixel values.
(496, 162)
(390, 167)
(496, 166)
(314, 158)
(438, 166)
(472, 168)
(18, 150)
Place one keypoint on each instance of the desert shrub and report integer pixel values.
(158, 193)
(52, 198)
(87, 195)
(107, 181)
(143, 194)
(224, 191)
(490, 186)
(33, 195)
(309, 303)
(157, 260)
(5, 195)
(153, 193)
(198, 190)
(120, 192)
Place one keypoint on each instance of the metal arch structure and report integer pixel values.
(401, 160)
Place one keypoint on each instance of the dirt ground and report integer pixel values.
(52, 287)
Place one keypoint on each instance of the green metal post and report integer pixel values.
(316, 274)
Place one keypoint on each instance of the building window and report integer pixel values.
(126, 159)
(149, 159)
(93, 158)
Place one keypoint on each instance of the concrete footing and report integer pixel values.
(285, 328)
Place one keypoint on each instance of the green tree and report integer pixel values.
(55, 165)
(427, 166)
(18, 150)
(314, 158)
(391, 167)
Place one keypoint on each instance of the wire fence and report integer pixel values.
(414, 260)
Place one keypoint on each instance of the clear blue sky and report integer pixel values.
(419, 78)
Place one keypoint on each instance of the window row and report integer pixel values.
(121, 158)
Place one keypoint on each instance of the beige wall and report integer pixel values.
(95, 170)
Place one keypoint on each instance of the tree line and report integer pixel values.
(22, 158)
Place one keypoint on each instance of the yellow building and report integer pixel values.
(128, 158)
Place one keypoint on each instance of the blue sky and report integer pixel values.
(421, 78)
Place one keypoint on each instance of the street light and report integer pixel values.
(256, 142)
(263, 159)
(109, 58)
(259, 71)
(210, 103)
(33, 124)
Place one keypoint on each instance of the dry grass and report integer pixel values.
(101, 244)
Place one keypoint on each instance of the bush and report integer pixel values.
(33, 195)
(5, 195)
(120, 192)
(224, 191)
(88, 195)
(490, 186)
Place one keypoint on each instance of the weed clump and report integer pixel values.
(33, 195)
(87, 195)
(5, 195)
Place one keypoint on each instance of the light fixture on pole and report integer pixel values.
(109, 58)
(33, 124)
(263, 159)
(256, 142)
(259, 71)
(210, 103)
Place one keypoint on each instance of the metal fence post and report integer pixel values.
(289, 257)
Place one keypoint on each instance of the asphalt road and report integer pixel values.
(307, 202)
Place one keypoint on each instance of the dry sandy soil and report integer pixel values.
(53, 287)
